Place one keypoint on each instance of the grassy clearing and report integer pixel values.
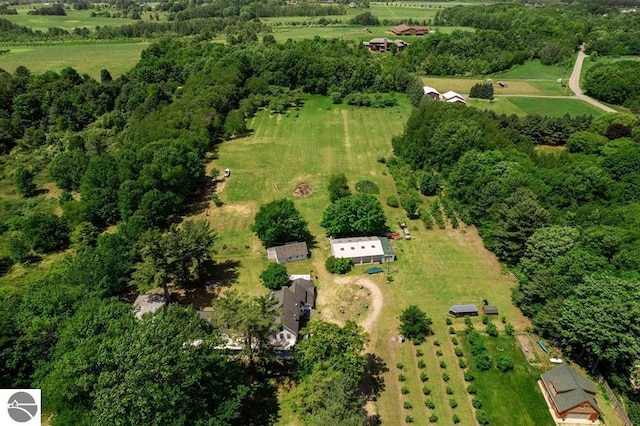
(555, 107)
(436, 269)
(536, 70)
(498, 105)
(73, 19)
(517, 391)
(118, 58)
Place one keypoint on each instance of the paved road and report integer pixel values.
(574, 83)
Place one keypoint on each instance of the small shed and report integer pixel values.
(374, 270)
(463, 311)
(490, 310)
(289, 252)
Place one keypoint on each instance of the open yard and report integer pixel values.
(118, 58)
(435, 270)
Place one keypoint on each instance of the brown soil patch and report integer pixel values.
(302, 190)
(221, 185)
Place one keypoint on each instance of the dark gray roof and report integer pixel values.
(572, 388)
(291, 250)
(490, 309)
(301, 292)
(459, 309)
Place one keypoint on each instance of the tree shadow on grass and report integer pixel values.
(373, 383)
(220, 274)
(261, 407)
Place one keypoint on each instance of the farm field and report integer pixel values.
(521, 105)
(118, 58)
(73, 19)
(435, 270)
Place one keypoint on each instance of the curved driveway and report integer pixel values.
(574, 83)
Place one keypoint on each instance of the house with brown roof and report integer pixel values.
(570, 395)
(381, 44)
(410, 30)
(288, 253)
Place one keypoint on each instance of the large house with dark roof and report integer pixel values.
(294, 304)
(381, 44)
(570, 395)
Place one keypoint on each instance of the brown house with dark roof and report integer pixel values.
(410, 30)
(381, 44)
(570, 395)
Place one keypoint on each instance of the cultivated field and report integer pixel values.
(118, 58)
(435, 270)
(522, 105)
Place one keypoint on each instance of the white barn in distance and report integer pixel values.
(363, 249)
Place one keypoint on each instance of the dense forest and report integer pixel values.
(566, 223)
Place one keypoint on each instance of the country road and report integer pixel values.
(574, 83)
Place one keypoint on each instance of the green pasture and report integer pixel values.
(535, 70)
(516, 392)
(522, 105)
(73, 19)
(436, 269)
(118, 58)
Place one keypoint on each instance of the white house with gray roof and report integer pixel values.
(288, 253)
(363, 249)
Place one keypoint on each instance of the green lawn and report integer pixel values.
(85, 58)
(516, 392)
(555, 107)
(535, 70)
(73, 19)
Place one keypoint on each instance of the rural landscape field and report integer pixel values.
(162, 164)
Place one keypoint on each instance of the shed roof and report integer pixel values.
(572, 388)
(290, 250)
(429, 89)
(400, 28)
(460, 309)
(490, 309)
(356, 247)
(451, 95)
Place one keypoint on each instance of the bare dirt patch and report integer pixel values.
(303, 190)
(527, 347)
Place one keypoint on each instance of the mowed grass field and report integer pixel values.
(73, 19)
(521, 105)
(436, 269)
(118, 58)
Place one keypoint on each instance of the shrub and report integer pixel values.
(504, 363)
(462, 363)
(449, 390)
(433, 418)
(454, 340)
(419, 352)
(426, 390)
(452, 330)
(216, 200)
(367, 187)
(421, 364)
(455, 419)
(449, 321)
(404, 390)
(45, 232)
(482, 418)
(415, 324)
(381, 160)
(430, 404)
(408, 419)
(468, 323)
(472, 389)
(436, 342)
(453, 403)
(458, 351)
(338, 266)
(509, 329)
(468, 376)
(445, 377)
(402, 378)
(392, 201)
(483, 362)
(438, 352)
(275, 276)
(338, 187)
(477, 404)
(503, 319)
(423, 377)
(485, 319)
(492, 330)
(399, 366)
(407, 405)
(443, 364)
(19, 248)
